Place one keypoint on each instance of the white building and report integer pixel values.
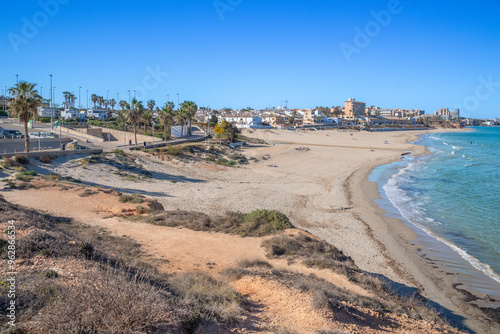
(96, 113)
(247, 122)
(72, 113)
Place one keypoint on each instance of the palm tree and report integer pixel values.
(24, 103)
(151, 104)
(167, 116)
(190, 108)
(112, 103)
(122, 114)
(123, 104)
(100, 100)
(180, 118)
(94, 98)
(134, 115)
(147, 117)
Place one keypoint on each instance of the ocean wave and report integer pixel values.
(414, 213)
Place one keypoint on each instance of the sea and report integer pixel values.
(451, 198)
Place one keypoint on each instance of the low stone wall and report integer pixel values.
(95, 132)
(80, 133)
(122, 137)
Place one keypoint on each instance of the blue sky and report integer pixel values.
(256, 53)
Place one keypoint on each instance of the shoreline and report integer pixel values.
(435, 281)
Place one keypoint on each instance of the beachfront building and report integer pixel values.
(71, 113)
(244, 122)
(353, 108)
(97, 114)
(443, 113)
(455, 114)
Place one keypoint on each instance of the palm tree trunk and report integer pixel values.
(182, 129)
(165, 132)
(26, 137)
(135, 133)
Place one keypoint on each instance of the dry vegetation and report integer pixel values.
(115, 293)
(255, 224)
(215, 153)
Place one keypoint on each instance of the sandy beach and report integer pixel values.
(323, 189)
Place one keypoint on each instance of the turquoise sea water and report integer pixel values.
(452, 199)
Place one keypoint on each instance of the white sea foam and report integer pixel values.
(414, 214)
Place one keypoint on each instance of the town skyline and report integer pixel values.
(391, 54)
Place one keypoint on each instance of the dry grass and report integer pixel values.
(23, 160)
(120, 293)
(255, 224)
(312, 253)
(108, 301)
(47, 159)
(204, 295)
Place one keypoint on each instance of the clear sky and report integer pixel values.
(258, 53)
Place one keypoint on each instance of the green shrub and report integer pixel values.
(263, 222)
(225, 162)
(125, 198)
(23, 177)
(20, 169)
(44, 119)
(136, 199)
(119, 152)
(175, 150)
(51, 274)
(46, 252)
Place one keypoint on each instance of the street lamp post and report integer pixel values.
(168, 98)
(129, 97)
(79, 98)
(51, 104)
(87, 99)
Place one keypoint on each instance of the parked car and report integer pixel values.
(11, 134)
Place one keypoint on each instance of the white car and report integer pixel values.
(42, 135)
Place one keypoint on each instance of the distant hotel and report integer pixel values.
(353, 108)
